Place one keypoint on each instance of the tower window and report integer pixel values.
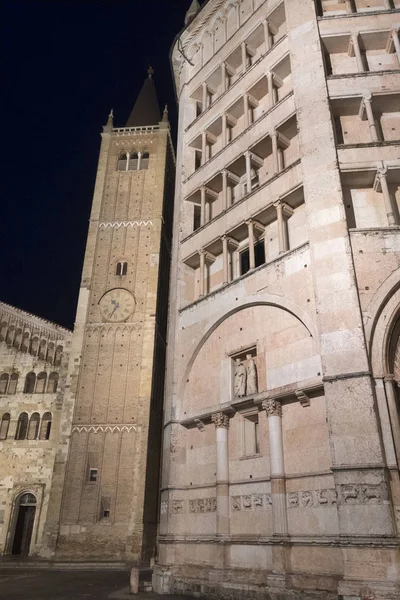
(30, 383)
(196, 217)
(93, 473)
(4, 425)
(121, 269)
(22, 426)
(133, 161)
(4, 383)
(123, 162)
(144, 161)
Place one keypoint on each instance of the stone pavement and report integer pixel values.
(36, 584)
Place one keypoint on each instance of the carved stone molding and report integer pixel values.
(343, 495)
(119, 224)
(164, 507)
(251, 502)
(103, 428)
(220, 420)
(203, 505)
(272, 407)
(178, 506)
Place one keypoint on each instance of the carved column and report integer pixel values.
(224, 77)
(244, 56)
(246, 111)
(128, 158)
(275, 151)
(271, 90)
(267, 36)
(367, 100)
(282, 212)
(396, 43)
(221, 422)
(204, 95)
(139, 161)
(224, 189)
(252, 257)
(225, 252)
(248, 170)
(203, 206)
(393, 412)
(202, 271)
(355, 48)
(203, 147)
(381, 185)
(273, 409)
(224, 129)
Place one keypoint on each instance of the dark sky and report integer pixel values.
(64, 64)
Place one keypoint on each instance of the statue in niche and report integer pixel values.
(240, 378)
(252, 384)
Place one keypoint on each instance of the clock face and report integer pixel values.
(117, 305)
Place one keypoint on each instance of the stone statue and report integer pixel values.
(240, 378)
(252, 384)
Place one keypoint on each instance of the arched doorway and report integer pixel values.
(26, 509)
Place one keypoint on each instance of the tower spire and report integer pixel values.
(146, 110)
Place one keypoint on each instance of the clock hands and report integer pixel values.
(116, 306)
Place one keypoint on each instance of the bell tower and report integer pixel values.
(116, 372)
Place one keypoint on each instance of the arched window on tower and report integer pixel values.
(144, 161)
(50, 352)
(25, 342)
(42, 350)
(58, 356)
(45, 427)
(22, 426)
(33, 428)
(12, 388)
(4, 379)
(30, 383)
(41, 383)
(53, 383)
(10, 335)
(18, 338)
(122, 268)
(133, 161)
(4, 425)
(123, 161)
(34, 345)
(3, 331)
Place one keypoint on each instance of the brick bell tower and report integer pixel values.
(105, 495)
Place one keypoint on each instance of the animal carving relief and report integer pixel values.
(351, 494)
(247, 502)
(203, 505)
(178, 506)
(164, 507)
(236, 503)
(251, 502)
(344, 494)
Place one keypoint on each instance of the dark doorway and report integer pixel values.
(24, 525)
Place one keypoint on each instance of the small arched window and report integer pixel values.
(42, 350)
(22, 426)
(133, 161)
(33, 429)
(10, 335)
(53, 383)
(25, 342)
(123, 162)
(58, 356)
(34, 345)
(4, 378)
(144, 161)
(50, 352)
(18, 338)
(122, 268)
(4, 425)
(30, 383)
(41, 383)
(3, 331)
(12, 388)
(27, 500)
(45, 427)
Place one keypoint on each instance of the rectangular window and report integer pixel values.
(197, 159)
(251, 435)
(93, 475)
(244, 261)
(259, 253)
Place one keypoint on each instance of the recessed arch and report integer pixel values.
(252, 301)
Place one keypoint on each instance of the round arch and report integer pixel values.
(263, 300)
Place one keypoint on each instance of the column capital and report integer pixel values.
(272, 407)
(388, 377)
(221, 420)
(367, 97)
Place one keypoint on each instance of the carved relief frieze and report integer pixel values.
(345, 494)
(164, 507)
(249, 502)
(203, 505)
(178, 506)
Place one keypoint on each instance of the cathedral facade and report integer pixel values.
(281, 431)
(33, 367)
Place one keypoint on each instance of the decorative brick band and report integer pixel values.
(103, 428)
(119, 224)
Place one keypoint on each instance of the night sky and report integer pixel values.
(64, 65)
